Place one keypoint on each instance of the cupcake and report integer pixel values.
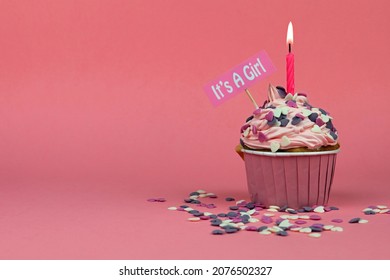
(289, 147)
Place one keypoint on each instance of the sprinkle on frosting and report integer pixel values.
(288, 121)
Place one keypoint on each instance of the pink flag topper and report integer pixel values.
(239, 78)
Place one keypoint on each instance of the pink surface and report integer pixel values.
(102, 106)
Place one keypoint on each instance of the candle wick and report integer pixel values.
(289, 47)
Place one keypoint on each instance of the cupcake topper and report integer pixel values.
(251, 98)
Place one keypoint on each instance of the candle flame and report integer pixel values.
(290, 35)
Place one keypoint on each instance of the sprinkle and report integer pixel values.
(296, 120)
(246, 132)
(315, 234)
(306, 112)
(285, 224)
(329, 124)
(269, 214)
(317, 129)
(285, 110)
(334, 208)
(251, 228)
(381, 206)
(152, 200)
(337, 221)
(253, 220)
(305, 230)
(257, 111)
(315, 217)
(300, 116)
(277, 112)
(383, 211)
(369, 212)
(217, 232)
(354, 220)
(285, 141)
(233, 207)
(282, 233)
(300, 222)
(254, 129)
(319, 209)
(249, 118)
(270, 116)
(194, 219)
(261, 136)
(328, 227)
(272, 210)
(160, 199)
(295, 228)
(313, 117)
(323, 111)
(337, 229)
(244, 127)
(231, 230)
(274, 207)
(230, 199)
(334, 135)
(266, 220)
(272, 122)
(172, 208)
(319, 122)
(307, 209)
(284, 122)
(291, 104)
(361, 221)
(275, 146)
(325, 118)
(265, 232)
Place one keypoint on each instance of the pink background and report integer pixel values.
(102, 106)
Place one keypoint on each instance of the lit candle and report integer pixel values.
(290, 60)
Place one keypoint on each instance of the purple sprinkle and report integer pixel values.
(271, 123)
(318, 225)
(300, 116)
(210, 206)
(237, 220)
(300, 222)
(161, 199)
(319, 122)
(257, 111)
(354, 220)
(296, 120)
(251, 228)
(279, 220)
(334, 135)
(337, 221)
(261, 136)
(327, 209)
(334, 208)
(269, 117)
(244, 127)
(315, 217)
(292, 104)
(266, 220)
(254, 129)
(284, 122)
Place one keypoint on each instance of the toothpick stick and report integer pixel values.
(251, 98)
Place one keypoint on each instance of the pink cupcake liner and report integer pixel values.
(290, 179)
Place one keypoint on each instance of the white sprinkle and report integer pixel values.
(367, 209)
(188, 209)
(325, 118)
(295, 229)
(253, 220)
(316, 129)
(306, 112)
(194, 196)
(376, 210)
(203, 195)
(246, 132)
(201, 191)
(319, 209)
(315, 234)
(250, 212)
(274, 207)
(305, 230)
(172, 208)
(285, 141)
(293, 217)
(304, 217)
(284, 217)
(275, 229)
(210, 193)
(265, 232)
(269, 214)
(194, 219)
(277, 112)
(272, 210)
(275, 146)
(240, 201)
(207, 213)
(381, 206)
(240, 224)
(285, 223)
(384, 211)
(227, 221)
(328, 227)
(362, 221)
(336, 229)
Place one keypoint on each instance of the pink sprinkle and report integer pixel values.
(337, 220)
(261, 136)
(254, 129)
(244, 127)
(291, 104)
(251, 228)
(269, 116)
(180, 209)
(257, 111)
(300, 116)
(300, 222)
(319, 122)
(255, 214)
(327, 209)
(315, 217)
(161, 199)
(152, 200)
(204, 217)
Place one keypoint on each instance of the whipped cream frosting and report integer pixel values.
(288, 121)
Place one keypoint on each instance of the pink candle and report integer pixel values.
(290, 61)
